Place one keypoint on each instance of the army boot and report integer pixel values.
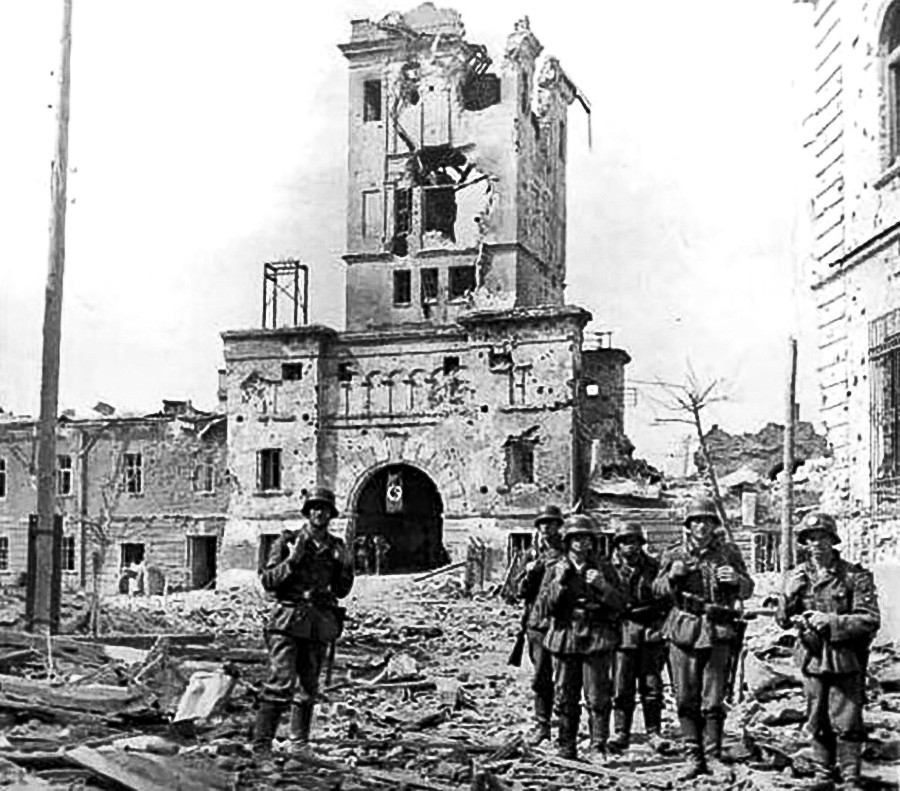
(693, 737)
(823, 777)
(653, 724)
(267, 718)
(622, 730)
(849, 761)
(568, 737)
(599, 727)
(712, 743)
(540, 733)
(301, 720)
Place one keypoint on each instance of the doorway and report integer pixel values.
(202, 560)
(399, 522)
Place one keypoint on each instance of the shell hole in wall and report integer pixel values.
(484, 407)
(239, 419)
(304, 417)
(560, 487)
(483, 490)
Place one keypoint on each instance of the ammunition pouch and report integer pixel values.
(683, 627)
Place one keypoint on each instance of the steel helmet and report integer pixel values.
(629, 530)
(819, 520)
(700, 507)
(579, 525)
(549, 513)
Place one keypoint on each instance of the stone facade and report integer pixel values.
(461, 396)
(855, 140)
(151, 488)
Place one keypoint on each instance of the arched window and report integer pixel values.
(890, 51)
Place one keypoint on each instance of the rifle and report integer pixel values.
(515, 656)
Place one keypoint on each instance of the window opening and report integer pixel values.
(268, 469)
(402, 287)
(429, 284)
(461, 281)
(402, 221)
(68, 553)
(519, 459)
(134, 473)
(4, 553)
(451, 365)
(205, 476)
(372, 100)
(292, 372)
(64, 475)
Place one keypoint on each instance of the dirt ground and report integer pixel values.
(420, 697)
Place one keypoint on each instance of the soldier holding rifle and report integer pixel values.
(307, 571)
(547, 549)
(834, 605)
(704, 577)
(641, 653)
(581, 596)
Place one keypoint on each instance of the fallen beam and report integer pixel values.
(441, 570)
(145, 772)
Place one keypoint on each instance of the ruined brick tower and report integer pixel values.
(460, 398)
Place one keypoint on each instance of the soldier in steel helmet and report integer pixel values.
(581, 596)
(705, 577)
(641, 653)
(834, 605)
(546, 550)
(307, 571)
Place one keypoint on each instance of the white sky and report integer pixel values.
(209, 136)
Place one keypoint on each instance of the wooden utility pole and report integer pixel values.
(787, 474)
(44, 602)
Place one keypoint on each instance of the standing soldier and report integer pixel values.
(705, 577)
(547, 550)
(641, 653)
(307, 571)
(381, 546)
(835, 607)
(581, 596)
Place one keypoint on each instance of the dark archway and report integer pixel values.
(400, 504)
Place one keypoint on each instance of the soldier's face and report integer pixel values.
(701, 528)
(548, 530)
(580, 546)
(630, 548)
(819, 545)
(319, 516)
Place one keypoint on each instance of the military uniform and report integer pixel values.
(702, 632)
(582, 636)
(537, 622)
(834, 657)
(641, 653)
(304, 620)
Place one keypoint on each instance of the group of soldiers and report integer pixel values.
(370, 553)
(605, 628)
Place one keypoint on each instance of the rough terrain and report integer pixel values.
(421, 697)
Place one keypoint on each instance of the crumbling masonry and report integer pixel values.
(461, 397)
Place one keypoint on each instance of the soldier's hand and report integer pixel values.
(795, 582)
(678, 571)
(295, 548)
(727, 574)
(592, 576)
(817, 620)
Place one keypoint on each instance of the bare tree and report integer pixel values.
(98, 528)
(685, 402)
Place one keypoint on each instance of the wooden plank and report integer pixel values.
(145, 772)
(15, 778)
(89, 698)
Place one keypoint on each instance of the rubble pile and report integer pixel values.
(420, 696)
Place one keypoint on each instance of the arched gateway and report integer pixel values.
(400, 505)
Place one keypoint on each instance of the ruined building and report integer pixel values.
(854, 127)
(461, 396)
(134, 491)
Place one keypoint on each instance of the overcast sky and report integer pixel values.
(208, 136)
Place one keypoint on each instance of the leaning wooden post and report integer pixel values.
(44, 602)
(787, 474)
